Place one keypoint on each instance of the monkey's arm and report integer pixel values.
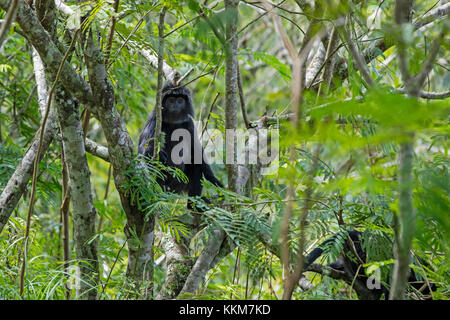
(209, 175)
(146, 143)
(197, 148)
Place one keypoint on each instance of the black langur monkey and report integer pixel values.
(349, 263)
(187, 154)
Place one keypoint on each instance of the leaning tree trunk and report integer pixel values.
(17, 184)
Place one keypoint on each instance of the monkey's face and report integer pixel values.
(175, 104)
(175, 109)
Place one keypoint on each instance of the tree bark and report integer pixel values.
(83, 210)
(231, 80)
(178, 265)
(204, 261)
(120, 148)
(405, 223)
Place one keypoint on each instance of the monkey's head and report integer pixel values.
(176, 104)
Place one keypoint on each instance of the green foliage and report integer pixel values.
(145, 192)
(354, 184)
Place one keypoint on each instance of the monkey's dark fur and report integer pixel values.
(177, 114)
(351, 265)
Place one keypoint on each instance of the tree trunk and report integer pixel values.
(405, 223)
(231, 79)
(84, 212)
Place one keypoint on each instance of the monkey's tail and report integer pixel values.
(317, 252)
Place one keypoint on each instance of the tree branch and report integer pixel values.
(242, 100)
(203, 263)
(428, 95)
(61, 6)
(50, 54)
(431, 16)
(361, 65)
(429, 61)
(97, 150)
(373, 50)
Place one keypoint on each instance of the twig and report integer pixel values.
(241, 98)
(202, 75)
(8, 20)
(209, 113)
(428, 63)
(158, 107)
(112, 268)
(138, 24)
(111, 32)
(184, 24)
(357, 56)
(180, 80)
(108, 182)
(266, 11)
(65, 219)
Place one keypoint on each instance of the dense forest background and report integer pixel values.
(353, 97)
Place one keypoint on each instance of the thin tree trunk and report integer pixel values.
(231, 82)
(206, 258)
(406, 222)
(158, 105)
(84, 212)
(65, 219)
